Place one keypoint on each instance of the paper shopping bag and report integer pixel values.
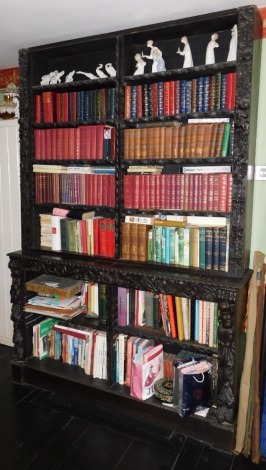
(145, 375)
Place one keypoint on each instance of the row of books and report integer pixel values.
(200, 192)
(199, 140)
(169, 98)
(71, 344)
(74, 188)
(198, 247)
(128, 349)
(181, 318)
(81, 106)
(75, 143)
(92, 236)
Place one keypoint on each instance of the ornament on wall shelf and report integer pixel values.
(233, 44)
(69, 76)
(140, 64)
(87, 74)
(57, 77)
(110, 69)
(99, 71)
(52, 77)
(186, 52)
(156, 56)
(210, 56)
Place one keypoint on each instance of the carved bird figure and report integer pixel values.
(87, 74)
(110, 70)
(99, 72)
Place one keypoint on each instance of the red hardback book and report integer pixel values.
(47, 99)
(37, 144)
(93, 142)
(172, 99)
(166, 99)
(110, 234)
(223, 189)
(216, 185)
(38, 112)
(48, 144)
(210, 192)
(103, 237)
(65, 144)
(139, 101)
(172, 316)
(99, 141)
(59, 144)
(58, 107)
(177, 97)
(135, 191)
(43, 145)
(204, 199)
(65, 116)
(229, 192)
(128, 191)
(77, 143)
(71, 143)
(127, 102)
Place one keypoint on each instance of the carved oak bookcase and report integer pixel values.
(228, 289)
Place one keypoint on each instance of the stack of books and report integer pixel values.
(56, 297)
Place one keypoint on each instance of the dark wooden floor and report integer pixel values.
(41, 430)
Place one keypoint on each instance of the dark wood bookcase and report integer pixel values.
(228, 289)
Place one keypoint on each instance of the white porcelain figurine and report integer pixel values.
(233, 44)
(69, 77)
(87, 74)
(57, 77)
(186, 52)
(110, 69)
(140, 64)
(46, 79)
(210, 56)
(99, 71)
(156, 55)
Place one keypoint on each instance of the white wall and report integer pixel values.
(10, 225)
(258, 234)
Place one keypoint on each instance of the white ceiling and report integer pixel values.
(26, 23)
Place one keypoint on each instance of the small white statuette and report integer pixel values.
(210, 56)
(186, 52)
(69, 77)
(46, 79)
(156, 55)
(99, 71)
(88, 74)
(57, 77)
(140, 64)
(110, 69)
(233, 44)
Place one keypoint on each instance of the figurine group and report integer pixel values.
(55, 76)
(158, 64)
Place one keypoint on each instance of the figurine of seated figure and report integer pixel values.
(186, 52)
(57, 78)
(156, 55)
(140, 64)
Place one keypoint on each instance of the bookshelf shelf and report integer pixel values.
(53, 108)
